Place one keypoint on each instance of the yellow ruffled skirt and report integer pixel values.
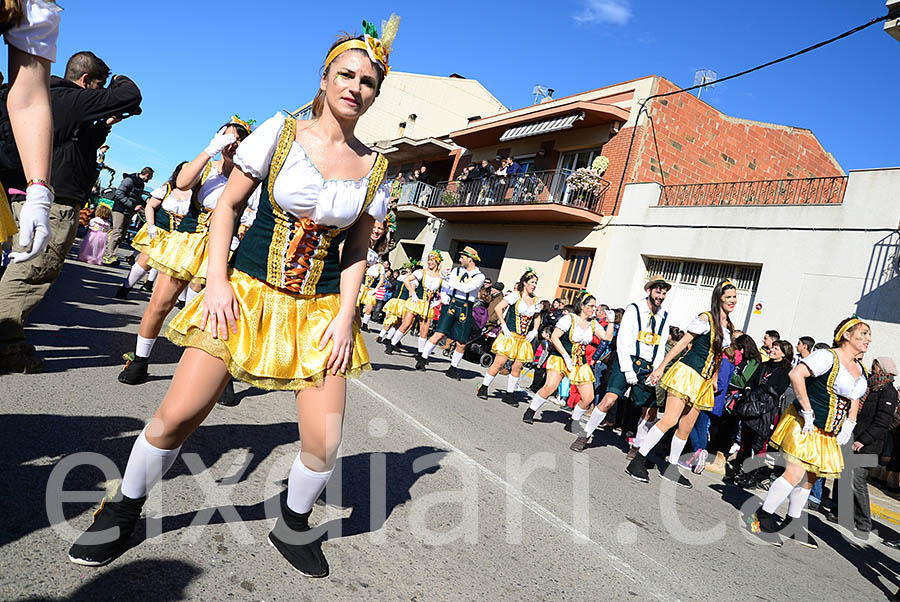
(515, 347)
(367, 297)
(421, 308)
(278, 334)
(580, 375)
(181, 255)
(816, 450)
(7, 221)
(142, 241)
(683, 381)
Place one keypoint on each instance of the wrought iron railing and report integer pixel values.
(415, 193)
(523, 189)
(801, 191)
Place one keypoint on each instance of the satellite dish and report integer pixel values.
(540, 93)
(702, 77)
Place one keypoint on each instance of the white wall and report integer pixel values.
(819, 264)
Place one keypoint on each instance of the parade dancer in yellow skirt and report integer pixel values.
(181, 255)
(396, 307)
(690, 383)
(374, 277)
(163, 212)
(420, 306)
(519, 327)
(829, 384)
(571, 336)
(282, 316)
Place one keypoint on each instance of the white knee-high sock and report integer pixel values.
(191, 294)
(536, 402)
(797, 501)
(397, 336)
(454, 361)
(143, 348)
(488, 379)
(184, 294)
(596, 418)
(779, 490)
(578, 412)
(151, 277)
(651, 440)
(643, 428)
(675, 449)
(422, 341)
(146, 466)
(366, 318)
(427, 348)
(135, 274)
(390, 333)
(511, 383)
(383, 331)
(304, 486)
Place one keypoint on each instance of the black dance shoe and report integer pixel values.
(420, 363)
(528, 416)
(637, 469)
(452, 372)
(389, 348)
(122, 292)
(569, 426)
(671, 473)
(764, 525)
(134, 372)
(147, 286)
(105, 539)
(293, 539)
(228, 398)
(482, 392)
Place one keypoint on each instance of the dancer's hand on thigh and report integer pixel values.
(340, 333)
(221, 308)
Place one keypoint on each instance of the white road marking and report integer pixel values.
(543, 512)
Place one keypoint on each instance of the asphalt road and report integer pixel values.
(441, 496)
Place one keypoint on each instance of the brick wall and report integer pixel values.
(697, 143)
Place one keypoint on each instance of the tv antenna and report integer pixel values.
(541, 92)
(702, 77)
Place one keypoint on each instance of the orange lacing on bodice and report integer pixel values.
(305, 240)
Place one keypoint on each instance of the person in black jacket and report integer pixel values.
(83, 113)
(876, 411)
(126, 201)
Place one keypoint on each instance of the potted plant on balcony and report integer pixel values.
(585, 183)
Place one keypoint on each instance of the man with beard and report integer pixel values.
(641, 334)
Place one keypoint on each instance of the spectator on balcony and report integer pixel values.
(426, 177)
(483, 176)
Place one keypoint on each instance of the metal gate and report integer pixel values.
(692, 285)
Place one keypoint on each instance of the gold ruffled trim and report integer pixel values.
(421, 308)
(514, 347)
(367, 297)
(181, 255)
(817, 451)
(142, 241)
(684, 382)
(580, 375)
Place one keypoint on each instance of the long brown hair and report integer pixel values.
(716, 309)
(11, 13)
(318, 103)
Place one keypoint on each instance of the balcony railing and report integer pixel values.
(524, 189)
(802, 191)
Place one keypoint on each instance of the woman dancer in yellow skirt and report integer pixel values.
(163, 212)
(828, 384)
(516, 313)
(571, 336)
(282, 317)
(422, 303)
(395, 308)
(181, 256)
(374, 277)
(690, 383)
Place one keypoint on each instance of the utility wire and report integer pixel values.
(726, 78)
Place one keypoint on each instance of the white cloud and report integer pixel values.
(617, 12)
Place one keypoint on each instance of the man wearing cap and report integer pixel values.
(463, 284)
(640, 348)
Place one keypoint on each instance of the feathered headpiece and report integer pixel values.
(436, 255)
(378, 47)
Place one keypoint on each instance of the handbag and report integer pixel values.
(759, 402)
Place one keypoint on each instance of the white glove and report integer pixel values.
(570, 365)
(531, 335)
(631, 377)
(505, 329)
(151, 232)
(218, 143)
(34, 223)
(809, 418)
(846, 433)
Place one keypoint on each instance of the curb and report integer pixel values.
(884, 513)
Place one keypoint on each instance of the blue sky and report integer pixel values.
(198, 62)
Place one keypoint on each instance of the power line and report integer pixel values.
(724, 79)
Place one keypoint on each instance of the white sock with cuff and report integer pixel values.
(304, 486)
(146, 466)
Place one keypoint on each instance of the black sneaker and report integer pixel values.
(147, 286)
(228, 399)
(482, 392)
(105, 539)
(636, 469)
(389, 348)
(579, 445)
(420, 363)
(134, 372)
(122, 292)
(452, 372)
(364, 327)
(509, 399)
(794, 530)
(293, 539)
(764, 526)
(671, 473)
(528, 416)
(569, 426)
